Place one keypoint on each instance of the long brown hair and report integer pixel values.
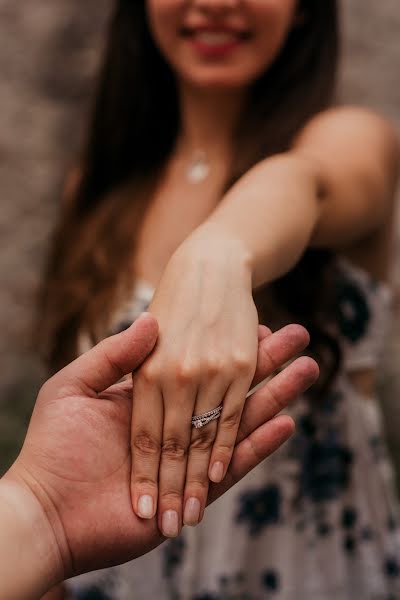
(132, 131)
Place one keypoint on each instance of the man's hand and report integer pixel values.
(73, 473)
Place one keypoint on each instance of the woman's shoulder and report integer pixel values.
(344, 122)
(358, 150)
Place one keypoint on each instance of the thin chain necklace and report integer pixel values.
(198, 169)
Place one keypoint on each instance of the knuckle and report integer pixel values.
(197, 486)
(242, 363)
(274, 398)
(146, 483)
(185, 372)
(170, 497)
(231, 419)
(224, 449)
(266, 358)
(174, 449)
(213, 366)
(146, 444)
(203, 440)
(150, 373)
(102, 348)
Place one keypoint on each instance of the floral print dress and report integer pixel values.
(318, 520)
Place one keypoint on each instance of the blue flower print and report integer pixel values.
(325, 470)
(349, 544)
(93, 593)
(349, 517)
(173, 555)
(353, 313)
(260, 508)
(392, 567)
(271, 581)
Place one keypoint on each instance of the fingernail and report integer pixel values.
(217, 472)
(192, 512)
(145, 507)
(170, 527)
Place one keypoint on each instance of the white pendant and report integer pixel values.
(199, 169)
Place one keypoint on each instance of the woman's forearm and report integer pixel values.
(334, 188)
(29, 564)
(272, 211)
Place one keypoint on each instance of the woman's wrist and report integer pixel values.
(272, 211)
(215, 243)
(31, 561)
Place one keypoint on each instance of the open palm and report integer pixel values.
(77, 458)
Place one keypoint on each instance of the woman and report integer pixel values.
(218, 174)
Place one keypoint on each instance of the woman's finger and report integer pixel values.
(210, 396)
(228, 425)
(252, 450)
(146, 440)
(178, 410)
(261, 433)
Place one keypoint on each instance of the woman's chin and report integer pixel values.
(218, 82)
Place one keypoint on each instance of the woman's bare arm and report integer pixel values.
(335, 187)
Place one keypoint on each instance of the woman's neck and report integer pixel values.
(209, 118)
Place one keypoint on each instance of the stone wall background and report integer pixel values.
(49, 53)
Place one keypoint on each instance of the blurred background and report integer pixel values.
(49, 55)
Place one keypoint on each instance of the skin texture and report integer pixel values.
(334, 189)
(65, 505)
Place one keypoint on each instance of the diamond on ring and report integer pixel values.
(199, 421)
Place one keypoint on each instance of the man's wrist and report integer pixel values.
(30, 560)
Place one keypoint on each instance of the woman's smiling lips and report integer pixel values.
(215, 41)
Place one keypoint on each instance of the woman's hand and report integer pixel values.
(205, 357)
